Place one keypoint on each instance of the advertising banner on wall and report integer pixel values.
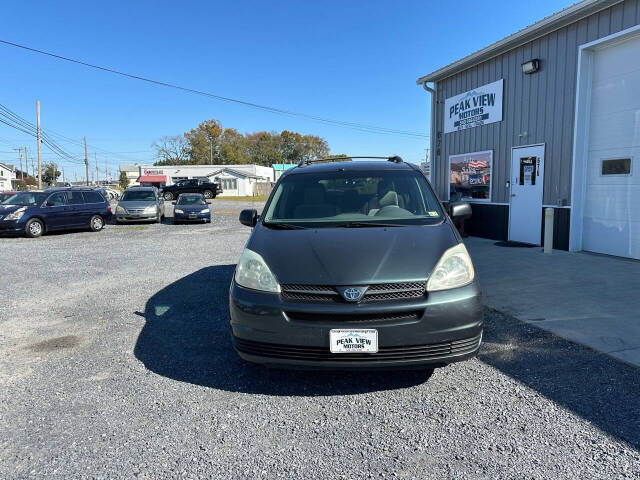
(480, 106)
(470, 176)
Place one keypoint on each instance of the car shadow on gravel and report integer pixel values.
(187, 337)
(592, 385)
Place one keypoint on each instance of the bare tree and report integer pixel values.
(171, 150)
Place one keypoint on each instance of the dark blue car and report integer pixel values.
(36, 212)
(191, 207)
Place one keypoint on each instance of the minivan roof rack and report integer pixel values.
(393, 158)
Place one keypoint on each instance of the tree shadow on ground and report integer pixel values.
(592, 385)
(187, 337)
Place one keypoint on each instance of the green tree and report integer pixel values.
(50, 173)
(123, 180)
(204, 143)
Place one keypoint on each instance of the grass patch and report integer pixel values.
(258, 198)
(139, 227)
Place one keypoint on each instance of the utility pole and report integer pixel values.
(63, 175)
(19, 150)
(39, 145)
(95, 157)
(86, 160)
(210, 153)
(26, 163)
(106, 171)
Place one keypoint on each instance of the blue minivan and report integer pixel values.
(36, 212)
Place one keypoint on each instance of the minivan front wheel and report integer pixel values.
(96, 223)
(34, 228)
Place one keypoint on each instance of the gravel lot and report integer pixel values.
(116, 361)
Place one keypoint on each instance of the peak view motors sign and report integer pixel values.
(476, 107)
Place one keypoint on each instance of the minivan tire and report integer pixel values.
(34, 228)
(167, 196)
(96, 223)
(208, 194)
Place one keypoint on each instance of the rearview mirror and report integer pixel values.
(249, 217)
(460, 211)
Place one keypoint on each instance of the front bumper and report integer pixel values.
(186, 217)
(11, 226)
(435, 330)
(145, 217)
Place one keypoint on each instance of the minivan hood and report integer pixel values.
(137, 204)
(352, 256)
(7, 209)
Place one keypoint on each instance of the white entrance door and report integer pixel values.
(525, 211)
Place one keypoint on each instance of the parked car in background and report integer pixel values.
(355, 265)
(140, 204)
(38, 211)
(207, 188)
(191, 207)
(5, 195)
(109, 193)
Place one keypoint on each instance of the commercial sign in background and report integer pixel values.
(476, 107)
(470, 175)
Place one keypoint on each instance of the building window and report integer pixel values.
(616, 166)
(177, 179)
(229, 183)
(470, 176)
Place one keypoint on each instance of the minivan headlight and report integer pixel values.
(454, 269)
(253, 272)
(120, 209)
(151, 209)
(17, 215)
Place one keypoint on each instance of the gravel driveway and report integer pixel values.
(116, 361)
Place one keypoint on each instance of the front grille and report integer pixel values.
(412, 352)
(356, 318)
(379, 292)
(135, 211)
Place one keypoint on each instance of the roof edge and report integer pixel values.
(564, 17)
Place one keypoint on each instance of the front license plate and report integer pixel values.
(353, 341)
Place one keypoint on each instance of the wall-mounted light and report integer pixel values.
(532, 66)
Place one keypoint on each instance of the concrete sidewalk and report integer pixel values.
(587, 298)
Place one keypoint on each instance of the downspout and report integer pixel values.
(432, 135)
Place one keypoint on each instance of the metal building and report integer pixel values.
(547, 117)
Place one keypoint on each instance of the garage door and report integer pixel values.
(612, 197)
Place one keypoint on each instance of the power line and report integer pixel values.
(12, 119)
(353, 125)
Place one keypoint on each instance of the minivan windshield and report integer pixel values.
(31, 199)
(191, 200)
(138, 196)
(353, 199)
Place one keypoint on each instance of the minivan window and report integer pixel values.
(138, 196)
(93, 197)
(334, 199)
(26, 199)
(191, 200)
(75, 198)
(57, 200)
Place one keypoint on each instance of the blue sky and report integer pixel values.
(354, 61)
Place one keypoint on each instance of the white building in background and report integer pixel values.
(236, 180)
(7, 177)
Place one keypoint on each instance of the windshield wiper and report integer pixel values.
(367, 224)
(283, 226)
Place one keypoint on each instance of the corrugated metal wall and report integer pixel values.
(541, 104)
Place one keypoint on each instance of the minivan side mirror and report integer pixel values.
(249, 217)
(460, 211)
